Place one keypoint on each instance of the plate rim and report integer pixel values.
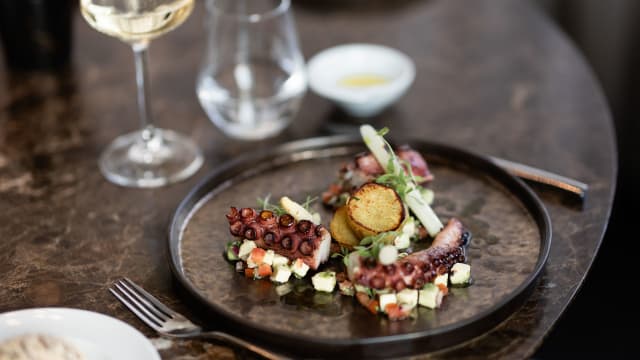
(153, 352)
(526, 196)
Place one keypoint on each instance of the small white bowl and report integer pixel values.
(363, 79)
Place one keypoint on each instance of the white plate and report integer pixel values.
(97, 336)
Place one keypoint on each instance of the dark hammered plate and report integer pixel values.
(511, 239)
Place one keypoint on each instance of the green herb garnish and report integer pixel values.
(370, 245)
(307, 203)
(266, 205)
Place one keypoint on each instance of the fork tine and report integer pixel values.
(141, 302)
(151, 323)
(159, 305)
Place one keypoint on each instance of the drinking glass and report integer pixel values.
(252, 78)
(152, 156)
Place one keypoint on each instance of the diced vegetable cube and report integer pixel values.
(430, 296)
(233, 247)
(245, 249)
(281, 274)
(268, 257)
(386, 299)
(460, 274)
(264, 270)
(299, 268)
(442, 280)
(256, 257)
(279, 260)
(407, 298)
(324, 281)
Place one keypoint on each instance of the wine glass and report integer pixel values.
(149, 157)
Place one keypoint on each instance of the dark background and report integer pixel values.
(602, 320)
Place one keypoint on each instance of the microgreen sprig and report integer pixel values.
(344, 254)
(266, 205)
(370, 245)
(308, 202)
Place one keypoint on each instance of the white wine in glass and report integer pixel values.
(149, 157)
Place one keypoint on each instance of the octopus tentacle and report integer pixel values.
(282, 234)
(415, 270)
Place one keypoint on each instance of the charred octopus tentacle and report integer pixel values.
(282, 234)
(416, 269)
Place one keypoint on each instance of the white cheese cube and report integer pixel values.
(279, 260)
(442, 280)
(460, 274)
(324, 281)
(245, 249)
(268, 257)
(408, 298)
(251, 264)
(386, 299)
(281, 274)
(299, 268)
(430, 296)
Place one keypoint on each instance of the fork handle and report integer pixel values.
(217, 335)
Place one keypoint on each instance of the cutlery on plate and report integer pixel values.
(544, 177)
(171, 324)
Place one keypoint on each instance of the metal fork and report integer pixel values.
(171, 324)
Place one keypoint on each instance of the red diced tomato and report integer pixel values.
(443, 288)
(395, 312)
(257, 255)
(264, 270)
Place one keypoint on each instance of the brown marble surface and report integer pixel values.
(495, 77)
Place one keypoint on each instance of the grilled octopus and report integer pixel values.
(416, 269)
(282, 234)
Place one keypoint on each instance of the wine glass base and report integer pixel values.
(168, 158)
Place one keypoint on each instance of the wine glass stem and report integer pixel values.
(142, 82)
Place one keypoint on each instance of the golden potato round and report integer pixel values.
(340, 229)
(373, 209)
